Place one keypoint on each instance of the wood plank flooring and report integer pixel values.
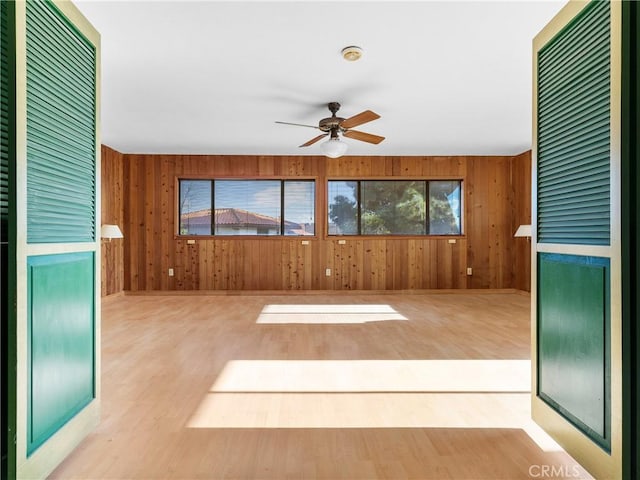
(353, 387)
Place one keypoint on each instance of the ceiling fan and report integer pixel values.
(333, 126)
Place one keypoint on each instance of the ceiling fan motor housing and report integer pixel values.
(326, 124)
(332, 122)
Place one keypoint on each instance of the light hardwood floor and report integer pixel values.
(318, 387)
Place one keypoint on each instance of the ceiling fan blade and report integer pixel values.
(314, 140)
(364, 137)
(359, 119)
(298, 124)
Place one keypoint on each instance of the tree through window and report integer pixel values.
(394, 207)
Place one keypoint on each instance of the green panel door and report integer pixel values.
(573, 208)
(58, 190)
(61, 341)
(576, 261)
(573, 335)
(61, 209)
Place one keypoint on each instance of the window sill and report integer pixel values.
(394, 237)
(245, 237)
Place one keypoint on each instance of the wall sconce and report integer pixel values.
(523, 231)
(110, 231)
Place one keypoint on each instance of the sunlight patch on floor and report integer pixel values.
(374, 376)
(372, 394)
(327, 314)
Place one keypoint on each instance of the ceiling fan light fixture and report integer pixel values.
(334, 148)
(351, 53)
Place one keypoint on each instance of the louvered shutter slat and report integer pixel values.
(574, 132)
(61, 190)
(4, 124)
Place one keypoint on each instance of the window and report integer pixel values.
(247, 207)
(299, 207)
(195, 207)
(343, 208)
(444, 207)
(394, 207)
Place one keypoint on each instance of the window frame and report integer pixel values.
(400, 236)
(212, 179)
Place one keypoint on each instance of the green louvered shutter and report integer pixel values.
(4, 125)
(61, 69)
(574, 132)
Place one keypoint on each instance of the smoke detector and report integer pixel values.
(352, 53)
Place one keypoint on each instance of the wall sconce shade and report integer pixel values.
(523, 231)
(110, 231)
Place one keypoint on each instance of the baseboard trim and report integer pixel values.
(112, 296)
(479, 291)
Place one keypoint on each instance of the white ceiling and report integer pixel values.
(448, 78)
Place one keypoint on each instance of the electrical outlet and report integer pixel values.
(342, 242)
(327, 272)
(305, 242)
(452, 240)
(191, 242)
(171, 272)
(469, 271)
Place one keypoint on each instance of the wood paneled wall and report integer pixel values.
(521, 215)
(112, 210)
(494, 201)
